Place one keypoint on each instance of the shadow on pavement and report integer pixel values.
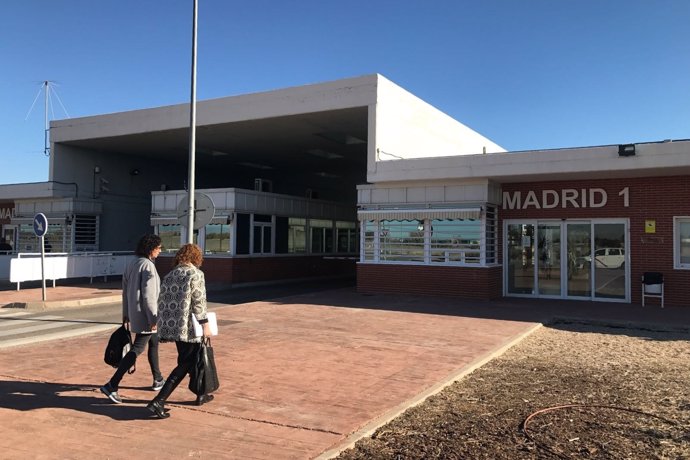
(26, 396)
(221, 294)
(621, 317)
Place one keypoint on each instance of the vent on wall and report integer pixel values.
(263, 185)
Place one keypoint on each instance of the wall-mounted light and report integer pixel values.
(134, 172)
(626, 150)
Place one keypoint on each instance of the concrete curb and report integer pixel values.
(71, 303)
(374, 424)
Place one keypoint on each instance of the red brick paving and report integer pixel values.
(298, 375)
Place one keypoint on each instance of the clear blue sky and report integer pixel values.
(528, 74)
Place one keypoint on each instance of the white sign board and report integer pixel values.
(204, 210)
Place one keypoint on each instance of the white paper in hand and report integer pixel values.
(199, 330)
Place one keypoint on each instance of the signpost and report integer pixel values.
(204, 209)
(40, 229)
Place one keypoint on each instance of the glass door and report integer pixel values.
(549, 259)
(570, 259)
(608, 261)
(578, 248)
(520, 259)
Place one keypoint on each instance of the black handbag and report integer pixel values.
(203, 377)
(119, 344)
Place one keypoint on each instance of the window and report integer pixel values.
(85, 233)
(170, 237)
(402, 240)
(455, 241)
(297, 235)
(321, 236)
(217, 238)
(262, 232)
(369, 230)
(27, 241)
(242, 234)
(491, 223)
(430, 236)
(56, 239)
(346, 235)
(681, 242)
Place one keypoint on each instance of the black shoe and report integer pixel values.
(158, 409)
(110, 393)
(203, 399)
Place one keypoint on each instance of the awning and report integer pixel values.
(419, 214)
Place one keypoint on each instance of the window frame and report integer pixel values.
(677, 243)
(320, 230)
(263, 223)
(370, 246)
(294, 225)
(169, 229)
(225, 229)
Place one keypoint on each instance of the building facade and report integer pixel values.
(580, 224)
(358, 177)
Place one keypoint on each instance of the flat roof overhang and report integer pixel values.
(667, 158)
(321, 128)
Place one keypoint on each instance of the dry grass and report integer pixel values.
(631, 386)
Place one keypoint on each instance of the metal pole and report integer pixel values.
(43, 272)
(46, 152)
(192, 134)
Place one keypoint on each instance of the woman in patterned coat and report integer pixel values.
(183, 294)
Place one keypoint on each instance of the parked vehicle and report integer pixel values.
(608, 258)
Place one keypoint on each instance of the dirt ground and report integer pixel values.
(570, 390)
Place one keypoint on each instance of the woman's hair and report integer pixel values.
(147, 244)
(189, 254)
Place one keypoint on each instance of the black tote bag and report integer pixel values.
(119, 344)
(203, 378)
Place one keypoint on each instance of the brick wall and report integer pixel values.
(657, 198)
(465, 282)
(258, 269)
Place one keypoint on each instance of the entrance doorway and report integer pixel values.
(8, 232)
(575, 259)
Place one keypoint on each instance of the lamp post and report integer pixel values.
(192, 133)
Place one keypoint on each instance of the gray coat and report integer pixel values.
(140, 288)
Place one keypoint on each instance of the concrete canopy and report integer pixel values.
(321, 131)
(325, 136)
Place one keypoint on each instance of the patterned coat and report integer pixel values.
(183, 293)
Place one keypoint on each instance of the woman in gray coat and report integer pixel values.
(140, 289)
(183, 295)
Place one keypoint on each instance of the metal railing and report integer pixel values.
(26, 266)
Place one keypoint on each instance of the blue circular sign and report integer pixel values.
(40, 224)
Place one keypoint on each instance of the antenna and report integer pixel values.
(46, 145)
(48, 104)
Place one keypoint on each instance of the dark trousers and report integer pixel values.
(186, 358)
(140, 341)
